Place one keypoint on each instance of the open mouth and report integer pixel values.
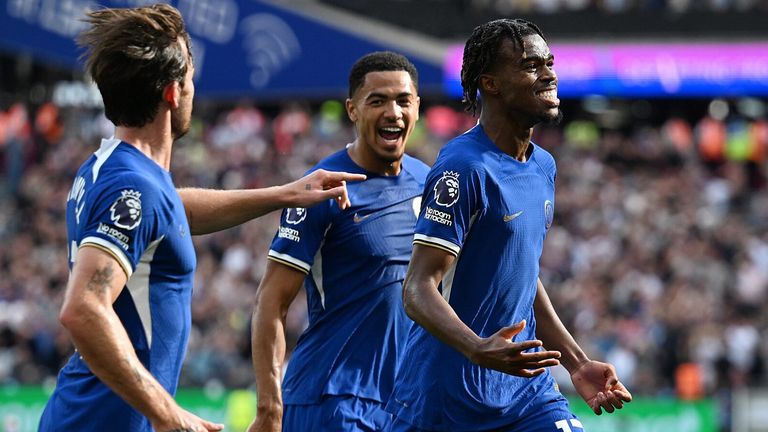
(391, 133)
(549, 95)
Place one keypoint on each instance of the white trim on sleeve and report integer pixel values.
(287, 258)
(443, 244)
(114, 249)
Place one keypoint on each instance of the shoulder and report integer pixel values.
(415, 167)
(337, 161)
(132, 188)
(462, 154)
(545, 161)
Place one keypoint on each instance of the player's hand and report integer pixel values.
(499, 352)
(319, 186)
(185, 421)
(266, 422)
(599, 386)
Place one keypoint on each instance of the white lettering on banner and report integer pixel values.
(215, 20)
(289, 233)
(438, 216)
(270, 45)
(63, 17)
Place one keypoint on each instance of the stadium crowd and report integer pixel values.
(617, 6)
(657, 260)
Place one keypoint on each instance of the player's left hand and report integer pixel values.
(319, 186)
(599, 386)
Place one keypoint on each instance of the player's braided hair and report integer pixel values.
(482, 49)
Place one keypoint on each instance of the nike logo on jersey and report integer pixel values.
(357, 218)
(508, 218)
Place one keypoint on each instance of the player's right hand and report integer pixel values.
(319, 186)
(500, 353)
(265, 422)
(185, 421)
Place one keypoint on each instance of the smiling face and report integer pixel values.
(385, 110)
(526, 81)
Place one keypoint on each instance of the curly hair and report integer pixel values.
(482, 51)
(132, 54)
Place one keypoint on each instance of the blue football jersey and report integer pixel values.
(492, 212)
(126, 204)
(355, 261)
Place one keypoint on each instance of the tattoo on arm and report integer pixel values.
(307, 186)
(101, 280)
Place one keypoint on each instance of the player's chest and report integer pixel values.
(176, 252)
(380, 228)
(520, 207)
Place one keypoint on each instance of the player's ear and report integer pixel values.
(172, 94)
(488, 84)
(351, 110)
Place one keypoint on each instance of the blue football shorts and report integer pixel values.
(343, 413)
(554, 416)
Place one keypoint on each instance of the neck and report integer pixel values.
(153, 139)
(509, 135)
(364, 157)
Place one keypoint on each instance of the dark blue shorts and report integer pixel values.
(554, 416)
(337, 414)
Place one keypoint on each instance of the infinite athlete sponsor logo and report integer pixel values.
(289, 233)
(114, 233)
(447, 189)
(509, 218)
(125, 212)
(438, 216)
(549, 212)
(295, 216)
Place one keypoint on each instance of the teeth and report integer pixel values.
(548, 94)
(392, 129)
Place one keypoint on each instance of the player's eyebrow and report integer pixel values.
(534, 57)
(385, 96)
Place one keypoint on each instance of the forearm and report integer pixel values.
(268, 354)
(104, 345)
(552, 332)
(210, 210)
(424, 304)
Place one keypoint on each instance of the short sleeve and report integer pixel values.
(452, 198)
(120, 217)
(300, 235)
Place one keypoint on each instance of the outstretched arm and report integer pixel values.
(101, 340)
(210, 210)
(428, 308)
(276, 292)
(595, 381)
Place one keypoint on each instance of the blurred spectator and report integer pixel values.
(658, 256)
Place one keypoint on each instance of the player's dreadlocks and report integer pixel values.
(482, 49)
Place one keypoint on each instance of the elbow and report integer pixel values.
(409, 301)
(68, 317)
(74, 317)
